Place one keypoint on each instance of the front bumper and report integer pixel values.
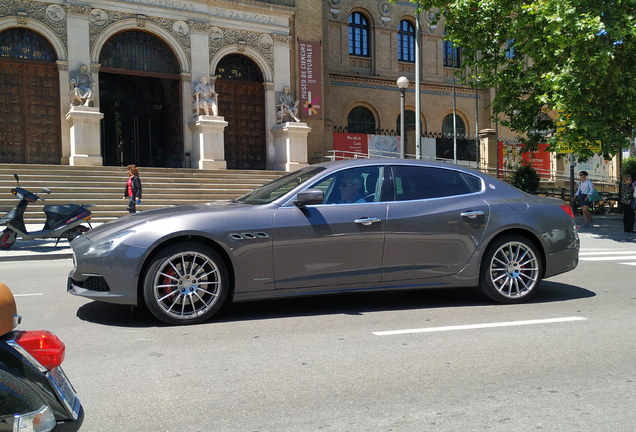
(111, 278)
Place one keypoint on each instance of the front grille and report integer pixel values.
(93, 283)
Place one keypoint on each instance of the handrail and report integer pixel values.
(557, 178)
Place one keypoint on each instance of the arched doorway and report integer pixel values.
(29, 99)
(239, 83)
(140, 96)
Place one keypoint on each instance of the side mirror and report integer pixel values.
(309, 197)
(46, 191)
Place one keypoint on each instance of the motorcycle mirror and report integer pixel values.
(15, 176)
(46, 191)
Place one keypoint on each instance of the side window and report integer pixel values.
(474, 182)
(415, 183)
(356, 185)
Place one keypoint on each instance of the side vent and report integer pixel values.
(248, 236)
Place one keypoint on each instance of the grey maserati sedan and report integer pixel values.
(340, 226)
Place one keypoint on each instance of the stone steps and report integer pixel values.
(104, 187)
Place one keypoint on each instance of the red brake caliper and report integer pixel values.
(168, 281)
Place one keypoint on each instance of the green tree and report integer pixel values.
(629, 167)
(526, 178)
(575, 56)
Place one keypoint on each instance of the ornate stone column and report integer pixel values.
(208, 145)
(85, 139)
(290, 141)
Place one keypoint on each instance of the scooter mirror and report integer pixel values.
(15, 176)
(46, 191)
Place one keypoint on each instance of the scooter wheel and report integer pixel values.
(8, 239)
(76, 232)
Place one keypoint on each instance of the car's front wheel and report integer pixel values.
(510, 270)
(186, 283)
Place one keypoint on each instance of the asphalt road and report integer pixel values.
(404, 361)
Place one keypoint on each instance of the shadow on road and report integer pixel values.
(345, 303)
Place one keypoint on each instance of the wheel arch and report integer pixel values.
(186, 238)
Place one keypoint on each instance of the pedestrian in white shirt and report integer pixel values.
(583, 194)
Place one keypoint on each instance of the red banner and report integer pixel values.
(310, 79)
(510, 157)
(345, 144)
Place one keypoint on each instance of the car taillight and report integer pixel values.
(44, 346)
(568, 210)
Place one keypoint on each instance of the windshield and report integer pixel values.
(279, 187)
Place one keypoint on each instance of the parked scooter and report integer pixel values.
(62, 221)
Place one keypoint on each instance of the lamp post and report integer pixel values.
(402, 84)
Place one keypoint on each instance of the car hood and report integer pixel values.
(129, 222)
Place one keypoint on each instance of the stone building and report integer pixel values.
(139, 61)
(112, 82)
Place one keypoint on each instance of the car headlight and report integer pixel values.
(107, 245)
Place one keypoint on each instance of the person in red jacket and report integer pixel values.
(132, 192)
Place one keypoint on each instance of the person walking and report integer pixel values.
(583, 194)
(132, 192)
(627, 202)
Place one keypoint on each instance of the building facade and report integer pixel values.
(142, 59)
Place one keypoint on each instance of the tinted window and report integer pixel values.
(414, 183)
(356, 185)
(279, 187)
(473, 182)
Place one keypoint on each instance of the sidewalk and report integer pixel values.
(39, 249)
(603, 226)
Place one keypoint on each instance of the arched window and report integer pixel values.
(140, 51)
(20, 43)
(447, 125)
(406, 42)
(238, 67)
(451, 54)
(361, 120)
(358, 35)
(540, 125)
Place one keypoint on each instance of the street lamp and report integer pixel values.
(402, 84)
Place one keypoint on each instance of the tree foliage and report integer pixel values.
(574, 56)
(629, 167)
(526, 178)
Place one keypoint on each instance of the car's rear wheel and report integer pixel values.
(8, 239)
(186, 283)
(511, 270)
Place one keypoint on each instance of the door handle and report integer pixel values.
(472, 214)
(366, 220)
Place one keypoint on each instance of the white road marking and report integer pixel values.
(608, 258)
(478, 326)
(27, 295)
(607, 253)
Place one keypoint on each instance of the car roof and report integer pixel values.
(352, 163)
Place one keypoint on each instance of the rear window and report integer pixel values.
(415, 183)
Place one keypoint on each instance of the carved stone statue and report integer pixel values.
(205, 99)
(287, 106)
(82, 88)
